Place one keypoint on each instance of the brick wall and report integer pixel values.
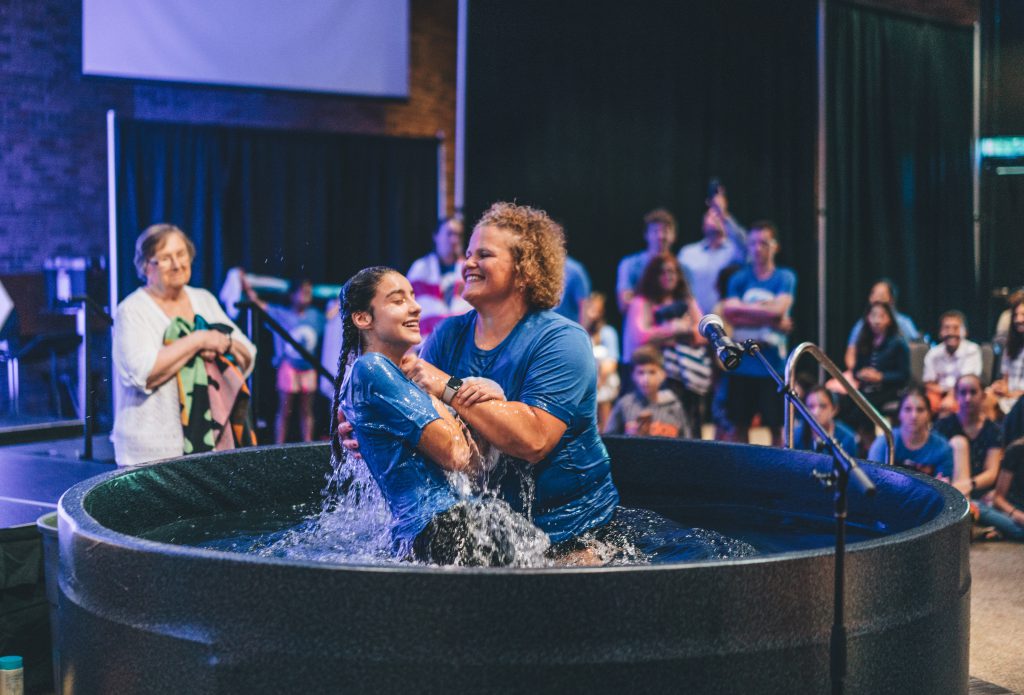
(53, 170)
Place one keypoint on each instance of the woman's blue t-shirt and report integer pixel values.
(546, 362)
(933, 458)
(388, 413)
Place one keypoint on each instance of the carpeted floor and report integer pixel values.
(997, 614)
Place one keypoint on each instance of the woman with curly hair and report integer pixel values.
(557, 470)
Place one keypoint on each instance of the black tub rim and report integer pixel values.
(73, 515)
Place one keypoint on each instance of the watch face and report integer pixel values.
(455, 383)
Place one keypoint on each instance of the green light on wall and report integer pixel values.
(1002, 148)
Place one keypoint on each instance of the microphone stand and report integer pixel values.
(843, 468)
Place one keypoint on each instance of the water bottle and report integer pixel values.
(12, 677)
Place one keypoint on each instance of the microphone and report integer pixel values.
(728, 352)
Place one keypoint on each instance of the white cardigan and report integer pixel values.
(147, 422)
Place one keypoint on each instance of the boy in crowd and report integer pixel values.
(650, 410)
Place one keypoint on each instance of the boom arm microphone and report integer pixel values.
(728, 352)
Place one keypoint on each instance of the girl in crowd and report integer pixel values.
(821, 403)
(975, 439)
(977, 453)
(606, 355)
(409, 440)
(1011, 386)
(663, 314)
(881, 367)
(557, 471)
(917, 446)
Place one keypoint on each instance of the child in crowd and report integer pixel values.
(917, 446)
(296, 376)
(649, 411)
(606, 353)
(823, 407)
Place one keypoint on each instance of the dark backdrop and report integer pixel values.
(285, 203)
(598, 111)
(899, 164)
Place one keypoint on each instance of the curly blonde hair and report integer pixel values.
(538, 251)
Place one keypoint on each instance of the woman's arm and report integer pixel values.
(240, 347)
(514, 428)
(999, 500)
(695, 316)
(171, 358)
(988, 476)
(446, 443)
(640, 323)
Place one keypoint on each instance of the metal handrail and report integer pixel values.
(856, 396)
(280, 330)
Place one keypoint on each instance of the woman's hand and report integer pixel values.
(869, 375)
(211, 341)
(348, 440)
(425, 375)
(477, 389)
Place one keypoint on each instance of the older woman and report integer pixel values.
(560, 475)
(159, 330)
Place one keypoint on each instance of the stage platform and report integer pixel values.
(33, 476)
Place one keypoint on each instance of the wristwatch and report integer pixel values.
(450, 389)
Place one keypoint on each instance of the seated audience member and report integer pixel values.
(952, 358)
(1010, 386)
(758, 305)
(880, 370)
(296, 377)
(575, 290)
(1007, 510)
(882, 291)
(664, 314)
(724, 243)
(649, 410)
(1004, 320)
(606, 354)
(437, 277)
(976, 441)
(917, 446)
(821, 402)
(660, 234)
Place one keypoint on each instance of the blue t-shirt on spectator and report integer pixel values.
(546, 362)
(933, 458)
(388, 413)
(577, 288)
(746, 286)
(306, 328)
(803, 438)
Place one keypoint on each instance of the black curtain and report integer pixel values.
(899, 166)
(598, 111)
(291, 204)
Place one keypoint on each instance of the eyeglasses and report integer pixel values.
(164, 262)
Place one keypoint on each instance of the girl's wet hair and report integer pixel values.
(356, 295)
